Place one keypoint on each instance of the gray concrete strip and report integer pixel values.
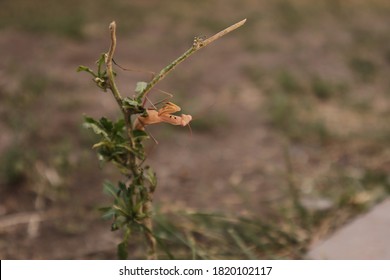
(365, 238)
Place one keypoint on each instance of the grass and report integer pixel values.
(295, 121)
(14, 167)
(217, 236)
(289, 83)
(363, 68)
(210, 235)
(288, 15)
(44, 17)
(321, 88)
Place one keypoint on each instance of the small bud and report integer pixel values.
(198, 41)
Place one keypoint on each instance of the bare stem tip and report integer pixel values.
(112, 25)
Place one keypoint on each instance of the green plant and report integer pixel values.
(122, 141)
(363, 68)
(289, 16)
(289, 83)
(13, 166)
(45, 16)
(322, 89)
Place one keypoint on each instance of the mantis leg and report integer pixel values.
(158, 102)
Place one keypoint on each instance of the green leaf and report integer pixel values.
(112, 132)
(100, 144)
(129, 102)
(95, 126)
(108, 214)
(127, 148)
(140, 87)
(133, 105)
(150, 175)
(106, 124)
(90, 120)
(119, 125)
(101, 61)
(83, 68)
(140, 135)
(121, 210)
(122, 186)
(110, 189)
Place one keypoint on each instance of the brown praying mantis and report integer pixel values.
(164, 114)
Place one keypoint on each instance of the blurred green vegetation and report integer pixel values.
(63, 18)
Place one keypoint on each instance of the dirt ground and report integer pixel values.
(301, 91)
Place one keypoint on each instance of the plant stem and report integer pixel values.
(197, 45)
(115, 90)
(110, 72)
(134, 170)
(147, 222)
(223, 32)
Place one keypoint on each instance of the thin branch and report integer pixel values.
(197, 45)
(223, 32)
(110, 72)
(114, 89)
(147, 205)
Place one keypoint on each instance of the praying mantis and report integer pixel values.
(164, 114)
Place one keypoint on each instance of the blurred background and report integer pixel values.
(290, 136)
